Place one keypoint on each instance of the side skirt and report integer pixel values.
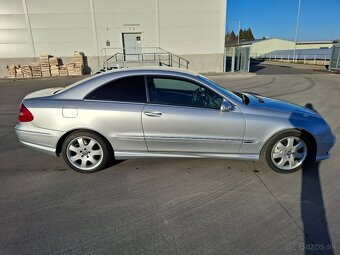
(138, 154)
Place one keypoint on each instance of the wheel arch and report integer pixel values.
(304, 132)
(63, 137)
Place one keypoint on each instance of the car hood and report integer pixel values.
(43, 92)
(279, 106)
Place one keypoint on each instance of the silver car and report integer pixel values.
(157, 112)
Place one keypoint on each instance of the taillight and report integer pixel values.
(25, 115)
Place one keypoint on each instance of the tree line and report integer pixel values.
(245, 35)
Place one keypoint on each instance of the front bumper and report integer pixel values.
(39, 139)
(324, 145)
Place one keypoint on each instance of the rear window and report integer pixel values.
(129, 89)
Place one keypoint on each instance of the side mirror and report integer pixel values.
(226, 106)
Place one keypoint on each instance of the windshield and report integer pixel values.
(234, 97)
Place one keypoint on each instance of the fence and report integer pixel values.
(316, 59)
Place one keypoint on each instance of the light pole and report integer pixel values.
(239, 29)
(296, 31)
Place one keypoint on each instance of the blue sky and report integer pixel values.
(319, 19)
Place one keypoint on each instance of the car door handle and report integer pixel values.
(153, 113)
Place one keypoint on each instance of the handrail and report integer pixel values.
(155, 51)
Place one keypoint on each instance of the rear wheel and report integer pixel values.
(86, 152)
(287, 152)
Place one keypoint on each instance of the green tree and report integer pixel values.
(230, 39)
(250, 34)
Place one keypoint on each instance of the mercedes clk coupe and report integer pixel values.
(166, 112)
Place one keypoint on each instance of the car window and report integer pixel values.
(129, 89)
(171, 91)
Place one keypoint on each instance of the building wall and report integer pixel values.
(192, 28)
(314, 45)
(270, 45)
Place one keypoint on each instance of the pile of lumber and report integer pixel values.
(54, 66)
(49, 66)
(55, 70)
(19, 73)
(36, 69)
(63, 70)
(26, 71)
(77, 67)
(54, 61)
(45, 65)
(12, 71)
(70, 69)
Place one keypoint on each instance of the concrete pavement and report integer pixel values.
(172, 206)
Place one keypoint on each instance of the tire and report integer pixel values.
(287, 152)
(86, 152)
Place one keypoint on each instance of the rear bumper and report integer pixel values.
(39, 139)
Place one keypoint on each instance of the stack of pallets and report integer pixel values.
(19, 72)
(36, 69)
(63, 70)
(45, 65)
(78, 58)
(55, 70)
(54, 66)
(71, 69)
(12, 71)
(26, 71)
(54, 61)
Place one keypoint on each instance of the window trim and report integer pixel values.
(116, 101)
(198, 83)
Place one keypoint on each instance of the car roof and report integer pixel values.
(82, 87)
(152, 69)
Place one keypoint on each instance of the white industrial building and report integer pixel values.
(192, 29)
(266, 46)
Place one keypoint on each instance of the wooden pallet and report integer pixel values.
(63, 70)
(45, 65)
(26, 71)
(36, 69)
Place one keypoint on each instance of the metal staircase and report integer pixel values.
(148, 56)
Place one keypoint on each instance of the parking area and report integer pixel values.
(172, 206)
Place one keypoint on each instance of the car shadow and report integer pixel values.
(313, 214)
(113, 163)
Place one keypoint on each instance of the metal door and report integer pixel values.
(132, 46)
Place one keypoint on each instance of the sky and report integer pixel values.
(319, 19)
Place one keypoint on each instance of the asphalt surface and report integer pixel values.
(172, 206)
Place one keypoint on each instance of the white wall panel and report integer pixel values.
(58, 6)
(67, 20)
(15, 50)
(64, 49)
(190, 5)
(62, 35)
(131, 6)
(119, 19)
(190, 33)
(11, 7)
(14, 36)
(188, 47)
(61, 26)
(189, 18)
(15, 21)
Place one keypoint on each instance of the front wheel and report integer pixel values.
(287, 152)
(86, 152)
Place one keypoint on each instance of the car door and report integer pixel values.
(114, 110)
(185, 116)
